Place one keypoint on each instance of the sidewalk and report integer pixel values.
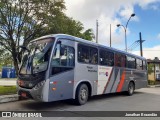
(7, 82)
(8, 98)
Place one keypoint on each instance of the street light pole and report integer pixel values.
(125, 29)
(125, 34)
(110, 36)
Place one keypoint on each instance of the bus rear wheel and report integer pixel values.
(131, 88)
(82, 94)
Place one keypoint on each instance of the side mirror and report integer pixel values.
(24, 48)
(59, 42)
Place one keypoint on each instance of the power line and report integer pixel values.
(147, 50)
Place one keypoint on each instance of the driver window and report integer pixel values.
(63, 56)
(63, 59)
(56, 56)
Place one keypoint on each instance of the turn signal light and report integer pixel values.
(53, 88)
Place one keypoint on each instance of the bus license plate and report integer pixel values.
(23, 94)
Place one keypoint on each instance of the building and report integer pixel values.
(154, 70)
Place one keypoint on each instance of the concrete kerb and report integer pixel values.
(9, 98)
(153, 86)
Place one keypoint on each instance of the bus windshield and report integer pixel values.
(36, 58)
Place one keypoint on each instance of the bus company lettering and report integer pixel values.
(90, 69)
(102, 73)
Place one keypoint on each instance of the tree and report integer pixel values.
(88, 34)
(150, 68)
(5, 58)
(67, 25)
(24, 20)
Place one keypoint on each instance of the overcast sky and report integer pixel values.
(146, 21)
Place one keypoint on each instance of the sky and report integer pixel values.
(146, 21)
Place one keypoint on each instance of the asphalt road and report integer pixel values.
(146, 99)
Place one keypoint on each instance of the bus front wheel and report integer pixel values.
(131, 88)
(82, 94)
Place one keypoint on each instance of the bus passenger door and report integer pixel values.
(62, 71)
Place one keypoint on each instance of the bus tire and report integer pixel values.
(131, 88)
(82, 94)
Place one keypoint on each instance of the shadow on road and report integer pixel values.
(42, 106)
(111, 96)
(60, 105)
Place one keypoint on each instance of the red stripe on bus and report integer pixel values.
(120, 85)
(107, 82)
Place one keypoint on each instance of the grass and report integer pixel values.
(7, 90)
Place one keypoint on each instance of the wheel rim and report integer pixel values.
(131, 89)
(83, 94)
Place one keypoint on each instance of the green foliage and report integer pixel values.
(150, 68)
(24, 20)
(5, 58)
(151, 82)
(6, 90)
(88, 34)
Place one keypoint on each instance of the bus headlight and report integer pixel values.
(40, 84)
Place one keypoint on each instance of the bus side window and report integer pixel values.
(123, 61)
(93, 56)
(139, 64)
(102, 57)
(56, 56)
(117, 60)
(120, 60)
(131, 62)
(70, 56)
(83, 53)
(144, 65)
(106, 58)
(63, 59)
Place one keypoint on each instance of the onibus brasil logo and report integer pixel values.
(21, 114)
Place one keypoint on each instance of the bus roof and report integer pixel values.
(88, 42)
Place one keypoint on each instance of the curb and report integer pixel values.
(153, 86)
(9, 98)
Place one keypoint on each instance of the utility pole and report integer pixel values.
(110, 35)
(138, 43)
(96, 31)
(141, 41)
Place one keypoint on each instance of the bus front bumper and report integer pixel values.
(34, 93)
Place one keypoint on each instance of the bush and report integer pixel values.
(151, 82)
